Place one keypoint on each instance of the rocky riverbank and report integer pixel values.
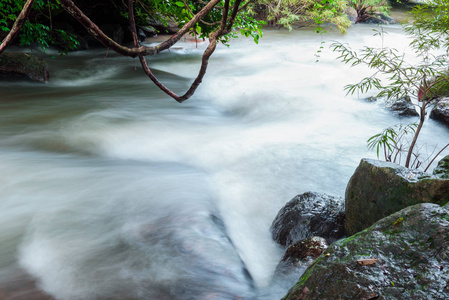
(397, 223)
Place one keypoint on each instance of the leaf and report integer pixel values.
(367, 261)
(179, 3)
(398, 221)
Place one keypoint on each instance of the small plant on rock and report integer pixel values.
(394, 77)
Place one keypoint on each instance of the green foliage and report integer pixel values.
(392, 142)
(368, 8)
(394, 77)
(182, 11)
(431, 24)
(305, 12)
(38, 28)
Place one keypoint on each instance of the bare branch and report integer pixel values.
(425, 170)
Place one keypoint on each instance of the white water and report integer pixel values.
(107, 185)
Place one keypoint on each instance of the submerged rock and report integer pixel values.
(378, 189)
(23, 66)
(309, 214)
(441, 111)
(403, 256)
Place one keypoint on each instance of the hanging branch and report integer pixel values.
(138, 50)
(95, 31)
(204, 60)
(23, 16)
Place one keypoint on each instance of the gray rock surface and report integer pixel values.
(22, 66)
(309, 214)
(403, 256)
(378, 189)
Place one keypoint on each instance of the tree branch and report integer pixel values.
(95, 31)
(23, 16)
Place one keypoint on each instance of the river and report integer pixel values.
(111, 190)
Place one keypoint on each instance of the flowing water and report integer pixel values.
(111, 190)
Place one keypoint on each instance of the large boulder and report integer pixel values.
(23, 66)
(403, 256)
(440, 112)
(309, 214)
(378, 189)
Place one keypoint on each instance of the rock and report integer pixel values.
(378, 18)
(404, 107)
(370, 99)
(170, 27)
(440, 112)
(301, 254)
(23, 66)
(309, 214)
(351, 13)
(114, 31)
(378, 189)
(408, 259)
(149, 31)
(442, 169)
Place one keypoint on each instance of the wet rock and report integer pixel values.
(378, 18)
(301, 254)
(23, 66)
(309, 214)
(440, 112)
(378, 189)
(442, 169)
(403, 107)
(199, 255)
(403, 256)
(351, 13)
(149, 31)
(170, 27)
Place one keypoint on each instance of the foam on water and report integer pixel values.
(109, 189)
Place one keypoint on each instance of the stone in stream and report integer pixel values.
(23, 66)
(403, 256)
(440, 111)
(199, 255)
(378, 189)
(403, 107)
(300, 255)
(309, 214)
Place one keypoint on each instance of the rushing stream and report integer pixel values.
(111, 190)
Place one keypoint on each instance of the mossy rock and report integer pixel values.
(378, 189)
(442, 169)
(403, 256)
(20, 66)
